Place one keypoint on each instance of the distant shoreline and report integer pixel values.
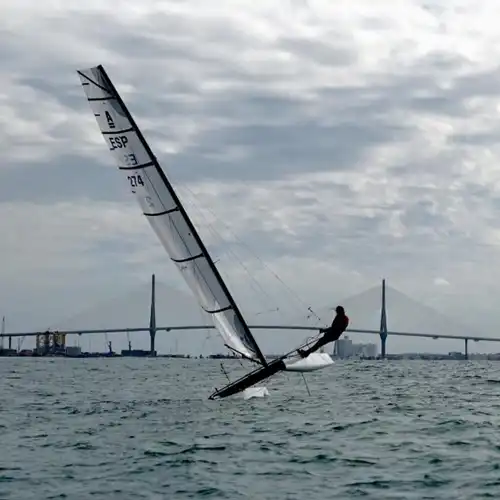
(6, 353)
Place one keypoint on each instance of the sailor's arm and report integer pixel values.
(326, 330)
(333, 326)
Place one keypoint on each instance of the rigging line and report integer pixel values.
(290, 290)
(224, 371)
(242, 244)
(229, 251)
(215, 234)
(313, 313)
(261, 292)
(255, 285)
(209, 334)
(95, 307)
(305, 382)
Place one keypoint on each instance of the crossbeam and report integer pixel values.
(256, 327)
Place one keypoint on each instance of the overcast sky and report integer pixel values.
(335, 142)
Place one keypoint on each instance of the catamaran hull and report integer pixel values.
(250, 379)
(315, 361)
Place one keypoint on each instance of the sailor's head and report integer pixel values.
(339, 310)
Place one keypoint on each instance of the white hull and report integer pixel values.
(315, 361)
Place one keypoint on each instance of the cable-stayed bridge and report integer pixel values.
(380, 310)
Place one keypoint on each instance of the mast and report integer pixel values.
(227, 326)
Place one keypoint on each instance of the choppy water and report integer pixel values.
(144, 429)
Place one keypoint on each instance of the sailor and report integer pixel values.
(331, 334)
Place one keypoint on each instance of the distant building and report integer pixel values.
(345, 348)
(365, 350)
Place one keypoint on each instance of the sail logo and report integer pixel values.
(109, 119)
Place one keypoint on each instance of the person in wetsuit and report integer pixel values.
(331, 334)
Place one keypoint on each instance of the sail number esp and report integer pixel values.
(120, 141)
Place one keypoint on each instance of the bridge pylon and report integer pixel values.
(383, 324)
(152, 319)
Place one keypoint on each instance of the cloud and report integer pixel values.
(441, 282)
(340, 143)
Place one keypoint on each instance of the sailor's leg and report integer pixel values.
(320, 343)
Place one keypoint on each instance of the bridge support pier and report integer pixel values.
(152, 348)
(466, 351)
(383, 340)
(152, 319)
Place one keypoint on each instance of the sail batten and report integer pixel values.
(165, 213)
(119, 131)
(135, 167)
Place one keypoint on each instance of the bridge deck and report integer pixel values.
(258, 327)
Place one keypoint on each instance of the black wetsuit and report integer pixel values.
(331, 334)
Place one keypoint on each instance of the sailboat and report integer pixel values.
(167, 216)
